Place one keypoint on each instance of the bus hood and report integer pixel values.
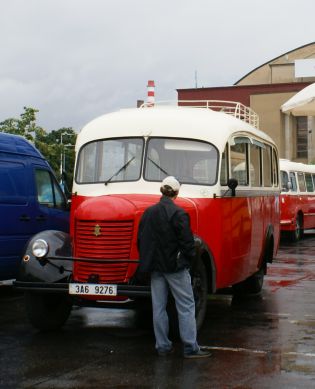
(124, 207)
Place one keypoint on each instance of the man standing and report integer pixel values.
(166, 247)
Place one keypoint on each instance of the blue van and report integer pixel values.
(31, 200)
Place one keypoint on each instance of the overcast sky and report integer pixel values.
(77, 59)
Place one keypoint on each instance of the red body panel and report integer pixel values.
(294, 204)
(233, 228)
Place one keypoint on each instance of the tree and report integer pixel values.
(25, 126)
(56, 146)
(60, 145)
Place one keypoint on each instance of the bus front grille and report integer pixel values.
(102, 240)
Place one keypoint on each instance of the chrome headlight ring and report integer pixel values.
(40, 248)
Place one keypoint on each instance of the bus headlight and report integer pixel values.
(40, 248)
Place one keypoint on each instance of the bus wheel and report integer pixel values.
(172, 318)
(251, 285)
(47, 311)
(144, 318)
(297, 234)
(200, 288)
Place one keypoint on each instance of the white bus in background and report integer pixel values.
(297, 200)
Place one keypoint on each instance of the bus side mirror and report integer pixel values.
(232, 184)
(289, 185)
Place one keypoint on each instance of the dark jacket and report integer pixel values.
(165, 240)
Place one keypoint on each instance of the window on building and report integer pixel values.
(301, 137)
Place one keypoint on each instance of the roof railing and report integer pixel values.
(234, 108)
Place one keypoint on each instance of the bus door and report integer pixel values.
(240, 207)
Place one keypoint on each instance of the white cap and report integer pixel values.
(171, 182)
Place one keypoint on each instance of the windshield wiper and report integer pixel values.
(158, 166)
(120, 170)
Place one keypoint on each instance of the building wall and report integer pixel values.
(265, 89)
(271, 119)
(280, 69)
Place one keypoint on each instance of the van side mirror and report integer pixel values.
(232, 184)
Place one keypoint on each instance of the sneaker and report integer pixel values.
(165, 353)
(198, 354)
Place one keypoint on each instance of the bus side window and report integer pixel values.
(275, 177)
(239, 163)
(293, 182)
(255, 165)
(309, 182)
(267, 167)
(313, 176)
(284, 181)
(224, 166)
(301, 182)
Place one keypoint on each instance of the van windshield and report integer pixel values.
(110, 160)
(191, 162)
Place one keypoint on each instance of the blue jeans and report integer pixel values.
(180, 285)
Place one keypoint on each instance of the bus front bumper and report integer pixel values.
(130, 291)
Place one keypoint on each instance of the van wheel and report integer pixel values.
(251, 285)
(47, 312)
(297, 234)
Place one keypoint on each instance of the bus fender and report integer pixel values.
(33, 269)
(203, 253)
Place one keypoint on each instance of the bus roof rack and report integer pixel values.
(234, 108)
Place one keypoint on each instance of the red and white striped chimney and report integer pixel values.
(151, 97)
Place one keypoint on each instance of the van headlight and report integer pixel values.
(40, 248)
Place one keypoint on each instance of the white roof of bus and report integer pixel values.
(183, 122)
(291, 166)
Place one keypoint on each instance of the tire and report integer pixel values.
(199, 283)
(172, 318)
(144, 319)
(47, 311)
(252, 284)
(297, 234)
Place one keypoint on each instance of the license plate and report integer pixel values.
(93, 289)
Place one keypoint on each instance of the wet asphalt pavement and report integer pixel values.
(264, 341)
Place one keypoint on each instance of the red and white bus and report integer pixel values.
(229, 176)
(297, 198)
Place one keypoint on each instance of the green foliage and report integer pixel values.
(25, 126)
(56, 146)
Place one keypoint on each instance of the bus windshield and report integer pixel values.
(110, 160)
(191, 162)
(120, 159)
